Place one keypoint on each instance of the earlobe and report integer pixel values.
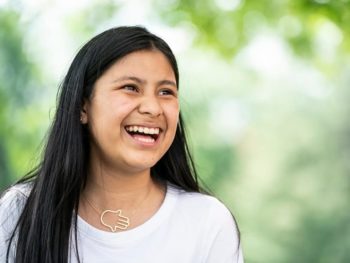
(83, 119)
(83, 114)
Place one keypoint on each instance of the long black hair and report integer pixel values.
(43, 231)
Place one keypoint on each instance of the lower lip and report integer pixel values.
(141, 140)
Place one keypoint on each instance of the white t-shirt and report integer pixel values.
(187, 228)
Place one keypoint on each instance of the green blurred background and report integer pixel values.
(265, 90)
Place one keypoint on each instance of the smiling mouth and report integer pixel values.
(143, 134)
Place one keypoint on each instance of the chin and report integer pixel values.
(141, 166)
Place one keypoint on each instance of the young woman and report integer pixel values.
(117, 182)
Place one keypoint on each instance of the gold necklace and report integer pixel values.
(122, 222)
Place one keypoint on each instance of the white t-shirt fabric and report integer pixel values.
(187, 228)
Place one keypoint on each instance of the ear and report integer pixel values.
(83, 113)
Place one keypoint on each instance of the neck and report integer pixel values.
(118, 185)
(132, 196)
(111, 190)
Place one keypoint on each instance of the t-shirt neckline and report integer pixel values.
(135, 234)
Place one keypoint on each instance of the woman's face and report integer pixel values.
(133, 112)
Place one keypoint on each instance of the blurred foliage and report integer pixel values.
(288, 176)
(94, 16)
(227, 25)
(21, 89)
(17, 92)
(273, 144)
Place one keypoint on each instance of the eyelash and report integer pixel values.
(168, 92)
(133, 88)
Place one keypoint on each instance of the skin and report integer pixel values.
(139, 89)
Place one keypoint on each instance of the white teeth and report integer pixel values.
(144, 139)
(144, 130)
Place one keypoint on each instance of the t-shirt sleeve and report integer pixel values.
(223, 237)
(11, 203)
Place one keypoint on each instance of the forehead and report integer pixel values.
(143, 62)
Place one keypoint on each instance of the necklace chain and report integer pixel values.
(122, 222)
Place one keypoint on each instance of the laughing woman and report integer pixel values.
(116, 182)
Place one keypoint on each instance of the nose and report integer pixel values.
(150, 105)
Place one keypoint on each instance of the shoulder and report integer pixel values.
(201, 204)
(14, 194)
(205, 211)
(12, 202)
(208, 219)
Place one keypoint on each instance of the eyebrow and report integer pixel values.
(142, 81)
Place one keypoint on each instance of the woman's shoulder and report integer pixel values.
(198, 200)
(15, 192)
(205, 216)
(13, 199)
(12, 202)
(201, 206)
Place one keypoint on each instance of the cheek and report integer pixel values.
(175, 109)
(121, 109)
(106, 115)
(172, 112)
